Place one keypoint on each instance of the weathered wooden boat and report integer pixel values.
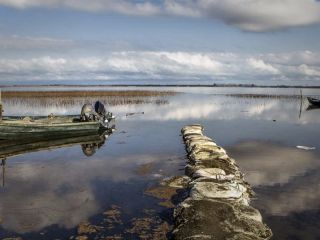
(50, 127)
(314, 101)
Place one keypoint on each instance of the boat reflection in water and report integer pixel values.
(9, 148)
(89, 145)
(90, 148)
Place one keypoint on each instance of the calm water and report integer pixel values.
(48, 194)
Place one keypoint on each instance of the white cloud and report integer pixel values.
(294, 58)
(306, 70)
(183, 8)
(167, 65)
(120, 6)
(260, 65)
(249, 15)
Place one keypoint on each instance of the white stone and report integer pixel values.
(211, 190)
(201, 143)
(207, 148)
(209, 173)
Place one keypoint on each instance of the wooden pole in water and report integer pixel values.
(0, 107)
(3, 164)
(300, 103)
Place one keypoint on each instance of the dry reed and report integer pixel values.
(62, 94)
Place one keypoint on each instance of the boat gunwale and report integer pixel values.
(314, 101)
(6, 123)
(45, 121)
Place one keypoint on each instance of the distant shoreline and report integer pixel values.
(163, 85)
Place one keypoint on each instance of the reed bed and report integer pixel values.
(109, 101)
(69, 98)
(84, 94)
(271, 96)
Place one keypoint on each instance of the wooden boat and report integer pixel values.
(314, 101)
(17, 128)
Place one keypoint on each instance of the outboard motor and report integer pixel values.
(89, 149)
(99, 113)
(87, 113)
(105, 117)
(100, 109)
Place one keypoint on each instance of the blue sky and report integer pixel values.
(256, 41)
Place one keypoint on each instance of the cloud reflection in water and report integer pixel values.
(181, 107)
(61, 191)
(284, 177)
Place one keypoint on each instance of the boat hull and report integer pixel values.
(314, 101)
(47, 128)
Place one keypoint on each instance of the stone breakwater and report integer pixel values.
(217, 206)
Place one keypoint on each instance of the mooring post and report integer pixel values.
(3, 164)
(300, 103)
(0, 106)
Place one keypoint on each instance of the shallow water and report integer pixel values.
(48, 194)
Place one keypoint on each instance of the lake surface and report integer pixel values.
(62, 193)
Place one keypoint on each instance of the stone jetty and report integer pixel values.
(217, 206)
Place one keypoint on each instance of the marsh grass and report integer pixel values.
(82, 94)
(67, 98)
(268, 96)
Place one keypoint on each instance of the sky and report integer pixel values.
(271, 42)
